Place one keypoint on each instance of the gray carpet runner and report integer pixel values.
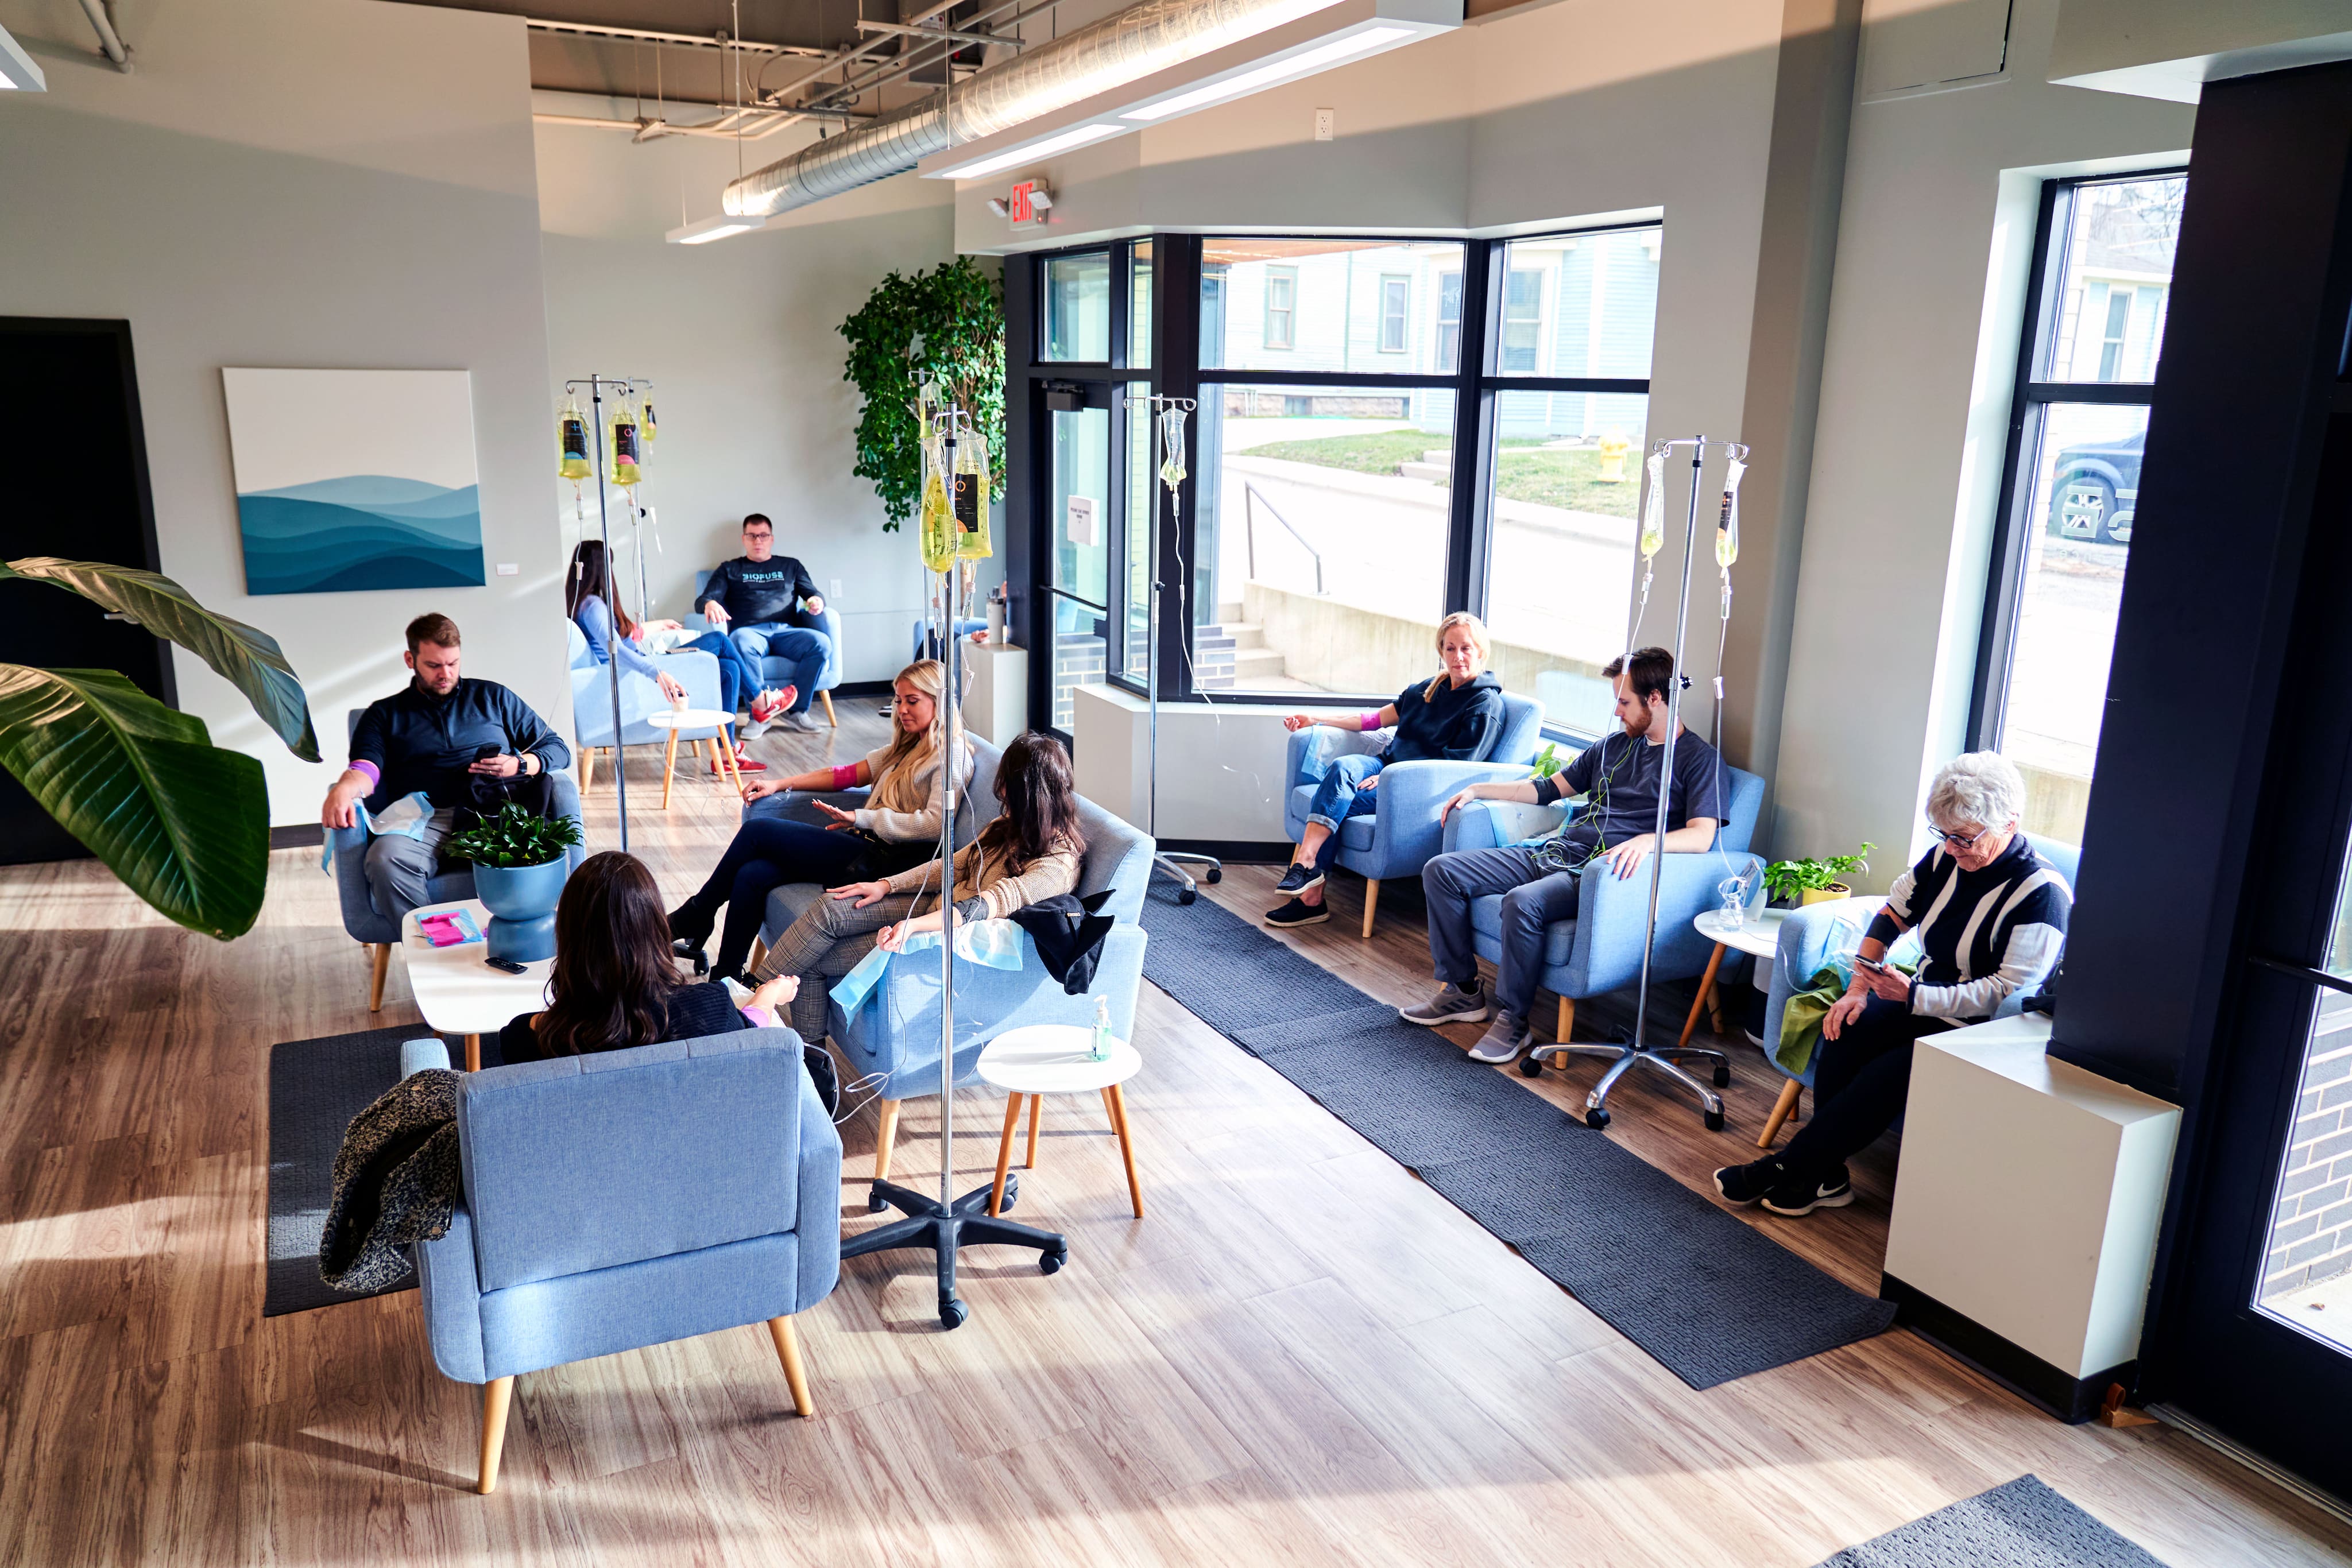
(2021, 1524)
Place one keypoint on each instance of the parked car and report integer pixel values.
(2094, 489)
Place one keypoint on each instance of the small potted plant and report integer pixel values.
(1814, 881)
(520, 866)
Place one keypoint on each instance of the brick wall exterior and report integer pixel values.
(2311, 1235)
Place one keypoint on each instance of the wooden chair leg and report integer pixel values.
(1706, 989)
(587, 768)
(1781, 1108)
(1371, 903)
(1126, 1144)
(496, 1395)
(1004, 1152)
(788, 1350)
(380, 959)
(831, 717)
(670, 765)
(883, 1136)
(1567, 1021)
(1036, 1103)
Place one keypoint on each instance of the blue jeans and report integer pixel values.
(738, 673)
(1533, 898)
(767, 852)
(804, 649)
(1342, 795)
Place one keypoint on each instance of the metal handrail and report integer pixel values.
(1249, 527)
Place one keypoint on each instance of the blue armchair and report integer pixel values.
(897, 1032)
(630, 1198)
(1403, 835)
(1814, 937)
(774, 670)
(1599, 950)
(370, 926)
(592, 699)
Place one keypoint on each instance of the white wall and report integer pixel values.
(740, 337)
(1935, 237)
(319, 183)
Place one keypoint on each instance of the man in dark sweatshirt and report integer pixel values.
(755, 598)
(432, 735)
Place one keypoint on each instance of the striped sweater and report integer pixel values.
(1983, 933)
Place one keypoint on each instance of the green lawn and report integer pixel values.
(1527, 472)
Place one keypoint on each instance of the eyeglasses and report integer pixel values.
(1958, 841)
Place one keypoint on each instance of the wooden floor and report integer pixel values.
(1302, 1356)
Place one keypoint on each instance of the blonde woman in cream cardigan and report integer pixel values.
(897, 827)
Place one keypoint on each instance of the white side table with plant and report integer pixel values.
(1796, 884)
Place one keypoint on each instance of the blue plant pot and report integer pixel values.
(521, 901)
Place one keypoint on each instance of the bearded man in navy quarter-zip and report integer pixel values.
(433, 737)
(754, 597)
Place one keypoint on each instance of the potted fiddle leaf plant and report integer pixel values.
(944, 326)
(520, 861)
(1814, 881)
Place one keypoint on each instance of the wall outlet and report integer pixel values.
(832, 590)
(509, 569)
(1326, 124)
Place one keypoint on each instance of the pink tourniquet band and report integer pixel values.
(844, 778)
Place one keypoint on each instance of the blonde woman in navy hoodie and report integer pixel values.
(1457, 715)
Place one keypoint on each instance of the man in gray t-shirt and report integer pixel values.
(1620, 776)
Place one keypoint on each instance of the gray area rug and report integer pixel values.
(316, 1087)
(2022, 1524)
(1709, 1297)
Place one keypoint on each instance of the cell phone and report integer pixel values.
(486, 751)
(1873, 964)
(509, 965)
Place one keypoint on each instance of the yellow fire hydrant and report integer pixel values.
(1613, 448)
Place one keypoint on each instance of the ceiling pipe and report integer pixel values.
(680, 40)
(110, 42)
(1120, 48)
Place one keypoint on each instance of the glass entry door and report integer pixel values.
(1081, 532)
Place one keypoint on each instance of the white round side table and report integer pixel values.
(1055, 1059)
(1760, 939)
(674, 719)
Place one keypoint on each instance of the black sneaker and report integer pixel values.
(1297, 878)
(1800, 1197)
(1298, 911)
(1743, 1184)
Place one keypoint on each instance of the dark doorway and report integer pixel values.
(79, 489)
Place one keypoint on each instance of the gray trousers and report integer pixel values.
(1532, 899)
(398, 867)
(824, 944)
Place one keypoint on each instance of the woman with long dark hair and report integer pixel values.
(1029, 853)
(588, 600)
(615, 984)
(907, 789)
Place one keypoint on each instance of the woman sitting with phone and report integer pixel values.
(895, 828)
(1994, 917)
(1029, 853)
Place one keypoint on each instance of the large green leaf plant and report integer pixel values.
(184, 823)
(945, 325)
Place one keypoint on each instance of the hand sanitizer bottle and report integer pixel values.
(1101, 1052)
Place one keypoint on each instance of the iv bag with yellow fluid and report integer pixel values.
(647, 430)
(970, 492)
(1654, 506)
(1726, 526)
(936, 533)
(627, 453)
(572, 443)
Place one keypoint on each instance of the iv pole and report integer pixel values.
(1165, 861)
(1666, 1058)
(943, 1224)
(596, 385)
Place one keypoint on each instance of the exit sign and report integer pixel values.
(1027, 205)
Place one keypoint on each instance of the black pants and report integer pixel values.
(1864, 1076)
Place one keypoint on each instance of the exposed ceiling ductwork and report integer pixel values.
(1120, 48)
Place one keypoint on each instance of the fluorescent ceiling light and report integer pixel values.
(1076, 136)
(17, 67)
(1266, 76)
(704, 230)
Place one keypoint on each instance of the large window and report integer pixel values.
(2102, 269)
(1385, 430)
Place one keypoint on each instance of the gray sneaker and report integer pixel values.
(801, 721)
(1452, 1005)
(1506, 1040)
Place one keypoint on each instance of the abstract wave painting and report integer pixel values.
(353, 481)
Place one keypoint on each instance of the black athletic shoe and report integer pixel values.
(1743, 1184)
(1297, 878)
(1298, 911)
(1800, 1197)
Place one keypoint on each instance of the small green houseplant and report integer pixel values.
(519, 867)
(1815, 881)
(1547, 761)
(513, 839)
(944, 325)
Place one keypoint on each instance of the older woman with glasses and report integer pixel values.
(1991, 916)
